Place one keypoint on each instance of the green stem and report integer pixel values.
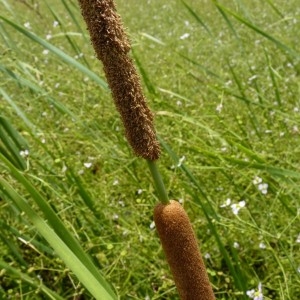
(158, 182)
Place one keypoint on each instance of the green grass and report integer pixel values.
(223, 81)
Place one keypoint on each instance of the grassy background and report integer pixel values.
(223, 81)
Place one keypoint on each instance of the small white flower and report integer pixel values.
(236, 245)
(121, 203)
(237, 206)
(227, 203)
(180, 161)
(87, 165)
(250, 293)
(55, 24)
(262, 245)
(263, 187)
(115, 217)
(44, 114)
(256, 295)
(48, 36)
(27, 25)
(252, 78)
(152, 225)
(80, 172)
(257, 180)
(295, 129)
(207, 256)
(116, 182)
(219, 107)
(184, 36)
(46, 51)
(139, 191)
(298, 238)
(24, 153)
(39, 277)
(296, 109)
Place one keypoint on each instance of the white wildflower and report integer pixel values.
(152, 225)
(207, 256)
(263, 187)
(184, 36)
(237, 206)
(236, 245)
(87, 165)
(227, 203)
(256, 295)
(27, 25)
(262, 245)
(257, 180)
(180, 161)
(219, 108)
(24, 153)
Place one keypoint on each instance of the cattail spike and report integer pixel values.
(180, 246)
(112, 46)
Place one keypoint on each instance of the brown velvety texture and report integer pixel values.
(180, 246)
(112, 46)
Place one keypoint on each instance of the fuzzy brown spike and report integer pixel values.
(180, 246)
(112, 46)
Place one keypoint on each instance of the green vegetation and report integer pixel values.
(223, 81)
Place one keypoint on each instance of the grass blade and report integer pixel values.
(197, 17)
(258, 30)
(72, 260)
(34, 283)
(56, 224)
(62, 55)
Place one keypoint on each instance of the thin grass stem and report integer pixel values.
(158, 182)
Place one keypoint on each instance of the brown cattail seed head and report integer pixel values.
(112, 46)
(180, 246)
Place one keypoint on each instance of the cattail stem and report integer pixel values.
(158, 182)
(180, 246)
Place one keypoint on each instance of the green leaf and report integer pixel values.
(62, 55)
(56, 224)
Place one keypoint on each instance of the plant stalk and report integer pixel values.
(158, 182)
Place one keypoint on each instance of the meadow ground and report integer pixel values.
(223, 81)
